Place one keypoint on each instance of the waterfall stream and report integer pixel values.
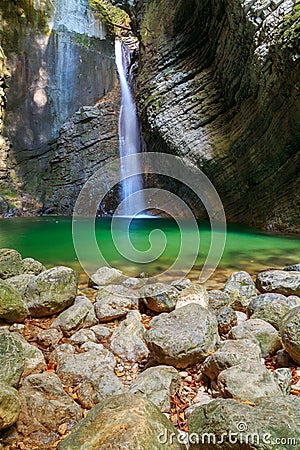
(129, 140)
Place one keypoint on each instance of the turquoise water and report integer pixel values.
(49, 239)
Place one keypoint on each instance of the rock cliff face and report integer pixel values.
(219, 83)
(59, 60)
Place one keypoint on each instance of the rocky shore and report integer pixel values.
(123, 363)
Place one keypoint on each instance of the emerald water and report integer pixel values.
(49, 239)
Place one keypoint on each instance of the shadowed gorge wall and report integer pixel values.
(219, 83)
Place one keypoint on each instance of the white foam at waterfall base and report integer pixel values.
(129, 140)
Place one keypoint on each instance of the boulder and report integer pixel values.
(279, 281)
(195, 294)
(157, 384)
(34, 361)
(223, 422)
(230, 353)
(290, 333)
(104, 276)
(9, 405)
(11, 360)
(272, 307)
(82, 336)
(283, 377)
(182, 284)
(293, 268)
(159, 297)
(52, 291)
(123, 421)
(80, 315)
(10, 263)
(261, 332)
(112, 307)
(241, 289)
(12, 307)
(102, 332)
(20, 282)
(45, 406)
(127, 341)
(49, 338)
(133, 282)
(32, 266)
(217, 299)
(260, 382)
(101, 385)
(183, 337)
(227, 319)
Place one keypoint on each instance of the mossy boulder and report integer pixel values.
(12, 307)
(51, 291)
(10, 263)
(11, 360)
(9, 405)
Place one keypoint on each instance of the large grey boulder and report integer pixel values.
(11, 360)
(230, 353)
(32, 266)
(280, 281)
(183, 337)
(159, 297)
(9, 405)
(241, 289)
(290, 333)
(34, 361)
(104, 276)
(272, 307)
(260, 382)
(157, 384)
(12, 307)
(80, 315)
(261, 332)
(51, 291)
(127, 341)
(225, 424)
(123, 421)
(10, 263)
(45, 406)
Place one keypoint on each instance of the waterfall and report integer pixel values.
(129, 139)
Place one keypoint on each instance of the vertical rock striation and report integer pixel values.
(219, 83)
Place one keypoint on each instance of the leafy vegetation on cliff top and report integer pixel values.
(116, 20)
(289, 29)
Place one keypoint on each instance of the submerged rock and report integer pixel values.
(123, 421)
(290, 333)
(157, 384)
(279, 281)
(12, 307)
(51, 291)
(183, 337)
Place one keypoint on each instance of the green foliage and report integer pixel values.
(8, 193)
(116, 20)
(289, 29)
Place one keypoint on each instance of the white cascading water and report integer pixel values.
(129, 140)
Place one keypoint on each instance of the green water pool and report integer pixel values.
(49, 239)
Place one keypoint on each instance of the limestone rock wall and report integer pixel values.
(219, 83)
(60, 60)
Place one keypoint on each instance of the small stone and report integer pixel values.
(217, 299)
(134, 282)
(113, 307)
(283, 378)
(101, 332)
(195, 294)
(226, 319)
(49, 337)
(82, 336)
(182, 284)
